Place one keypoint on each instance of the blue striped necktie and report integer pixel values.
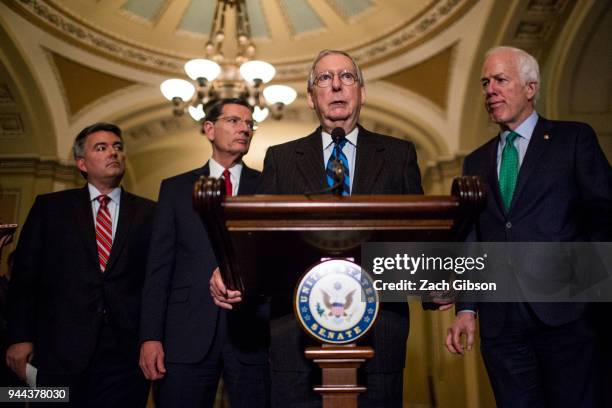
(346, 188)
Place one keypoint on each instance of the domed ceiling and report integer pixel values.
(69, 63)
(162, 34)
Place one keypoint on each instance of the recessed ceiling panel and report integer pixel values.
(351, 8)
(147, 9)
(198, 16)
(301, 16)
(259, 27)
(430, 78)
(83, 85)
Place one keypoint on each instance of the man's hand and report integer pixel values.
(444, 306)
(152, 360)
(17, 357)
(5, 240)
(465, 322)
(221, 295)
(442, 300)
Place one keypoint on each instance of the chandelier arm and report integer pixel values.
(245, 84)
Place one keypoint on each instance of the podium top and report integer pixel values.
(251, 233)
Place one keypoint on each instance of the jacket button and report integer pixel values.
(508, 225)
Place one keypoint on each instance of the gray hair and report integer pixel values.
(325, 53)
(527, 65)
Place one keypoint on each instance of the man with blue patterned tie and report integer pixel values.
(375, 164)
(547, 181)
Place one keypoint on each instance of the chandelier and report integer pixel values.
(219, 77)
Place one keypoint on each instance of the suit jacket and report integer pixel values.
(59, 298)
(177, 308)
(563, 193)
(384, 165)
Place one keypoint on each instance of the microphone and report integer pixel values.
(338, 134)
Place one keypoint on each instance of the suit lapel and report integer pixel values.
(127, 211)
(309, 157)
(537, 146)
(369, 161)
(492, 177)
(202, 171)
(85, 223)
(248, 181)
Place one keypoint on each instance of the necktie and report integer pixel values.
(228, 183)
(104, 231)
(508, 169)
(329, 170)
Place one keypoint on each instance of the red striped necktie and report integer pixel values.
(104, 231)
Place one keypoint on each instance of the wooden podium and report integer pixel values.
(255, 235)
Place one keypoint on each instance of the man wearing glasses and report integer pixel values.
(376, 164)
(186, 341)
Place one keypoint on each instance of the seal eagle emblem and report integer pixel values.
(335, 302)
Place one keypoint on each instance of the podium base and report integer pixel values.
(339, 364)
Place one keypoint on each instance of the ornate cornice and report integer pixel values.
(407, 37)
(57, 21)
(40, 168)
(67, 28)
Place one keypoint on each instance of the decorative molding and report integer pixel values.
(40, 168)
(409, 35)
(538, 21)
(100, 41)
(546, 6)
(533, 31)
(157, 128)
(11, 126)
(6, 98)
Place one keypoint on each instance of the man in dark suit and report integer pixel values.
(188, 342)
(376, 164)
(76, 286)
(547, 181)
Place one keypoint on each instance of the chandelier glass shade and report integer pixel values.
(217, 77)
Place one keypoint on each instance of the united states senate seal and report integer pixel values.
(335, 302)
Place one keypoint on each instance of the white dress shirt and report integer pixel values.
(216, 171)
(524, 130)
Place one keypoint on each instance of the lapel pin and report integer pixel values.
(546, 136)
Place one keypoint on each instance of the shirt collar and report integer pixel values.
(351, 138)
(94, 193)
(216, 170)
(525, 129)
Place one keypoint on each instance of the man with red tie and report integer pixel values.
(75, 290)
(187, 341)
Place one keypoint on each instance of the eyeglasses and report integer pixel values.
(235, 121)
(325, 79)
